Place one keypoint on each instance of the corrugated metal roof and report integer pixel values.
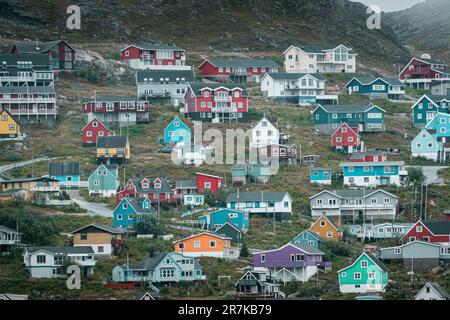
(157, 75)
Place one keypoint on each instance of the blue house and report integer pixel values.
(388, 88)
(426, 108)
(216, 219)
(307, 238)
(426, 145)
(367, 118)
(68, 173)
(440, 124)
(320, 175)
(177, 131)
(373, 174)
(131, 210)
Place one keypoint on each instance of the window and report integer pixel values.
(181, 245)
(41, 259)
(263, 258)
(364, 264)
(322, 223)
(378, 87)
(373, 201)
(343, 274)
(207, 185)
(88, 133)
(119, 217)
(286, 204)
(387, 200)
(397, 250)
(371, 275)
(357, 275)
(100, 249)
(124, 206)
(196, 244)
(212, 243)
(426, 239)
(310, 243)
(419, 229)
(83, 236)
(319, 202)
(329, 234)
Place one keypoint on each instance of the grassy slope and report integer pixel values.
(65, 141)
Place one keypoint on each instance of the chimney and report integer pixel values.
(447, 215)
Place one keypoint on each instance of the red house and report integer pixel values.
(216, 102)
(419, 72)
(345, 139)
(240, 70)
(155, 56)
(61, 54)
(95, 128)
(370, 155)
(207, 182)
(429, 231)
(158, 190)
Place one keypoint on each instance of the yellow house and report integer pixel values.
(104, 240)
(115, 149)
(38, 184)
(327, 229)
(9, 127)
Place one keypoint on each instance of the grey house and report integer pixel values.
(440, 87)
(418, 255)
(352, 205)
(163, 86)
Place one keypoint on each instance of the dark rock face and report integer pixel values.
(223, 24)
(426, 27)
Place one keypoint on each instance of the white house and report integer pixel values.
(264, 203)
(324, 59)
(264, 134)
(193, 199)
(300, 88)
(432, 291)
(46, 262)
(189, 154)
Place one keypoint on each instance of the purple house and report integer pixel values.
(291, 262)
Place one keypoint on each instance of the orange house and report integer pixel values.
(204, 244)
(326, 229)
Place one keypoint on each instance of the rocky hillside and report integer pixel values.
(226, 25)
(425, 27)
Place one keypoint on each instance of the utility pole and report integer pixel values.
(421, 201)
(426, 202)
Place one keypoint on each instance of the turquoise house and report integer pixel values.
(104, 180)
(440, 125)
(216, 219)
(366, 274)
(427, 146)
(373, 174)
(388, 88)
(320, 175)
(177, 131)
(307, 238)
(68, 174)
(367, 118)
(425, 108)
(131, 210)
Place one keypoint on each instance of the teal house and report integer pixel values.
(373, 174)
(377, 87)
(320, 175)
(440, 125)
(216, 219)
(366, 274)
(307, 238)
(426, 107)
(426, 145)
(131, 210)
(104, 180)
(68, 174)
(229, 230)
(366, 118)
(177, 131)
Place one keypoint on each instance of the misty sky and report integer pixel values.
(390, 5)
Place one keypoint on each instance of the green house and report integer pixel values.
(104, 180)
(367, 274)
(231, 231)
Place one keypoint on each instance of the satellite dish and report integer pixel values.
(425, 56)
